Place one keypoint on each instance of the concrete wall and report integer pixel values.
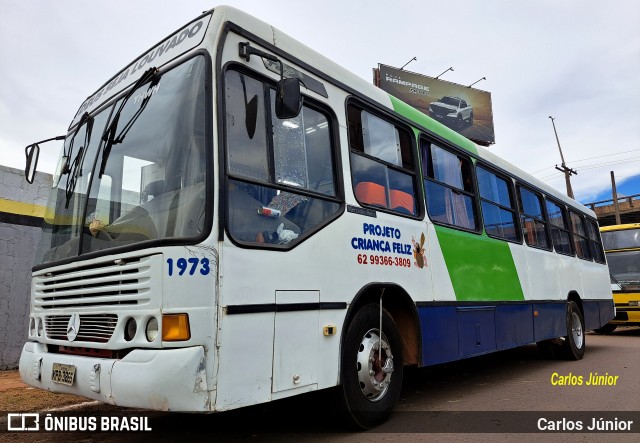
(21, 210)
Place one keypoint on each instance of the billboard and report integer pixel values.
(463, 109)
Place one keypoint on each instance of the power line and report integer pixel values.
(595, 166)
(616, 162)
(590, 158)
(626, 176)
(606, 155)
(599, 165)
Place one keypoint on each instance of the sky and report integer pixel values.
(575, 60)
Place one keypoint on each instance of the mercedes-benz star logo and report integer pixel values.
(73, 327)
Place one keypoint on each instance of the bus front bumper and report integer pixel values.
(163, 380)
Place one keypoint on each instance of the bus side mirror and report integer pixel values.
(33, 153)
(288, 98)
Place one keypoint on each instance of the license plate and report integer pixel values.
(63, 374)
(634, 303)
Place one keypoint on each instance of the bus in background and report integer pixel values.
(622, 248)
(236, 219)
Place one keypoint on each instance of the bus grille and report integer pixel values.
(103, 284)
(94, 328)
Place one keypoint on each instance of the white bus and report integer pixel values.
(236, 219)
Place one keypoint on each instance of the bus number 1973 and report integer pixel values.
(190, 265)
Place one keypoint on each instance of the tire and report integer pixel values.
(606, 329)
(571, 346)
(368, 391)
(574, 342)
(471, 119)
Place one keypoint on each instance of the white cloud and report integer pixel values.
(577, 60)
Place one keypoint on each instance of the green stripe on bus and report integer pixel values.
(481, 268)
(439, 129)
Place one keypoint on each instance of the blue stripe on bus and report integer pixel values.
(452, 332)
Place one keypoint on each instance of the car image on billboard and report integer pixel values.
(452, 111)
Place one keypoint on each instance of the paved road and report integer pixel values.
(493, 392)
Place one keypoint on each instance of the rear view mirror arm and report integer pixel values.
(245, 51)
(288, 98)
(32, 152)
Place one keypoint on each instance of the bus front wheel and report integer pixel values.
(371, 368)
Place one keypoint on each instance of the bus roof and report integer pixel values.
(195, 32)
(340, 76)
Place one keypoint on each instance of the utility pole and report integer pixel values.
(614, 191)
(568, 172)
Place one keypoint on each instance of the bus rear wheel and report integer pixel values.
(371, 368)
(574, 343)
(571, 346)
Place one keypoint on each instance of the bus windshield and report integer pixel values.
(623, 239)
(146, 184)
(625, 266)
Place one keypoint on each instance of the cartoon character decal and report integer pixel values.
(419, 252)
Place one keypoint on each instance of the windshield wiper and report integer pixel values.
(614, 280)
(109, 135)
(72, 167)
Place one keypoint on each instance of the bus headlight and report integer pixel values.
(175, 327)
(130, 329)
(152, 329)
(32, 327)
(40, 327)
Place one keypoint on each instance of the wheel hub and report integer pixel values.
(576, 330)
(374, 365)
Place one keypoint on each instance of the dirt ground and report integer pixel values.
(16, 396)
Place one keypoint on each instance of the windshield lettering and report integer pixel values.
(181, 41)
(138, 98)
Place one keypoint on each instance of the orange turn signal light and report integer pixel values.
(175, 327)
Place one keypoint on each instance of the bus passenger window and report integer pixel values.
(534, 223)
(381, 163)
(498, 206)
(381, 139)
(595, 242)
(580, 236)
(402, 201)
(371, 194)
(560, 235)
(449, 187)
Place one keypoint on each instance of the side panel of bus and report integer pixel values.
(472, 294)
